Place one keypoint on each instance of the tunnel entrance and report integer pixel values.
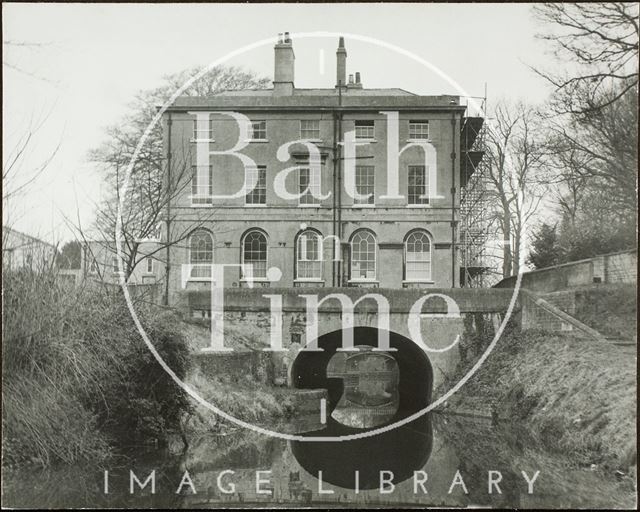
(317, 370)
(403, 387)
(370, 394)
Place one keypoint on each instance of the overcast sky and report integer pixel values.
(83, 63)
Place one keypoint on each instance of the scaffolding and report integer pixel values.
(473, 202)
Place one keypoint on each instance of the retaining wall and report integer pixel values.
(619, 267)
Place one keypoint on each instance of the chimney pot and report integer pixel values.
(287, 39)
(350, 79)
(357, 77)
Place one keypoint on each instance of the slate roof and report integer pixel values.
(317, 99)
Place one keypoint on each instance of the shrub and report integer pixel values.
(78, 381)
(147, 402)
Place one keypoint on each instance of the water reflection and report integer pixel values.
(471, 446)
(400, 451)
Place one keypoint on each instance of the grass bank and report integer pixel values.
(78, 383)
(574, 396)
(610, 309)
(240, 395)
(247, 400)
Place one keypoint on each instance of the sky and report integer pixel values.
(72, 69)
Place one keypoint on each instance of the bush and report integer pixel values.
(78, 380)
(147, 402)
(42, 424)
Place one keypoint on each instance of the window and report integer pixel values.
(363, 256)
(310, 129)
(157, 232)
(200, 254)
(259, 129)
(254, 253)
(419, 130)
(365, 184)
(365, 129)
(309, 256)
(114, 264)
(149, 265)
(201, 191)
(417, 257)
(202, 134)
(306, 187)
(259, 193)
(418, 190)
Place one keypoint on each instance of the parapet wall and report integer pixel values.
(468, 300)
(619, 267)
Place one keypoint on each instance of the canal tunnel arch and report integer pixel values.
(309, 369)
(400, 450)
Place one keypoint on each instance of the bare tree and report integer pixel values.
(12, 51)
(567, 179)
(149, 192)
(601, 39)
(18, 174)
(19, 170)
(600, 150)
(516, 151)
(595, 161)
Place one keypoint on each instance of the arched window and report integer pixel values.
(201, 254)
(254, 253)
(417, 256)
(363, 256)
(309, 256)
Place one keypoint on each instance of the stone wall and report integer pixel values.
(537, 317)
(539, 313)
(617, 267)
(258, 365)
(564, 300)
(248, 307)
(621, 267)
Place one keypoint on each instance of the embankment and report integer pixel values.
(241, 383)
(574, 396)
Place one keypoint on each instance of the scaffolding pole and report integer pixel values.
(473, 201)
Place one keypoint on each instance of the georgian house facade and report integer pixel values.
(316, 234)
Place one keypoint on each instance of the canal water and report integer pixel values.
(426, 457)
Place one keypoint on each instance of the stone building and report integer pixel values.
(319, 235)
(22, 251)
(100, 263)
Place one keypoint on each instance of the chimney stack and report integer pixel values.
(284, 61)
(341, 67)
